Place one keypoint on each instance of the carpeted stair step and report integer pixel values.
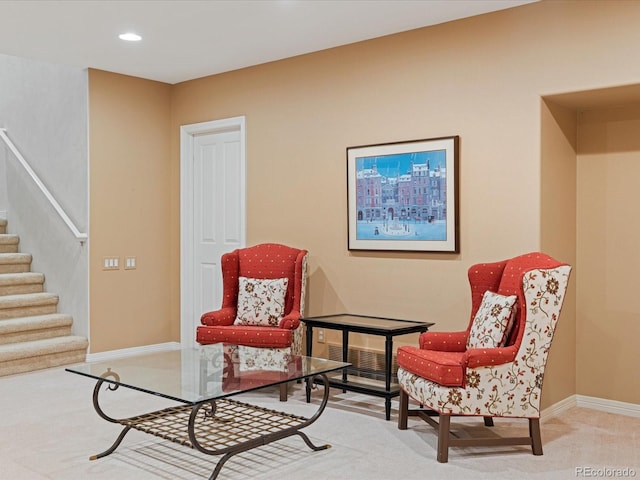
(52, 352)
(28, 304)
(27, 329)
(9, 243)
(3, 225)
(15, 262)
(17, 283)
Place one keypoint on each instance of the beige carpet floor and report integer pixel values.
(48, 430)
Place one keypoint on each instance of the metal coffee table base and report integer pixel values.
(216, 427)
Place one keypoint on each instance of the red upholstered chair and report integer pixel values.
(255, 266)
(495, 367)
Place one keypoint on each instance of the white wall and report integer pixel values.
(3, 179)
(44, 109)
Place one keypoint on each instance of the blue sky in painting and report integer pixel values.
(400, 164)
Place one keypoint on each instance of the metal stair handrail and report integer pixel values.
(82, 237)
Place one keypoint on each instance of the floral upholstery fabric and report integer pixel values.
(264, 261)
(483, 277)
(296, 341)
(260, 301)
(266, 359)
(492, 320)
(254, 367)
(505, 381)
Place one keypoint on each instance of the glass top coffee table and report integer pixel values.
(203, 381)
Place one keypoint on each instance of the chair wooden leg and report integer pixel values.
(403, 410)
(534, 433)
(283, 392)
(488, 421)
(443, 437)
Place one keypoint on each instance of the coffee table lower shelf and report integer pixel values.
(217, 427)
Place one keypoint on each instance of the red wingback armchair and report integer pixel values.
(263, 262)
(462, 373)
(267, 261)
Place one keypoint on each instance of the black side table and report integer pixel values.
(386, 327)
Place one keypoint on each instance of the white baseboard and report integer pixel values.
(611, 406)
(126, 352)
(558, 408)
(595, 403)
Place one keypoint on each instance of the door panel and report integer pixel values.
(217, 212)
(232, 195)
(211, 298)
(212, 213)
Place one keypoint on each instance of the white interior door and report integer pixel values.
(212, 212)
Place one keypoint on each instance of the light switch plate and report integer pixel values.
(111, 263)
(130, 263)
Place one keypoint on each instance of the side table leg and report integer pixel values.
(388, 359)
(309, 339)
(345, 354)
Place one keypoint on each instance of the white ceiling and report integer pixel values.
(186, 39)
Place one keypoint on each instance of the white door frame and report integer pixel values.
(187, 251)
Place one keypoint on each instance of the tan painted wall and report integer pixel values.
(608, 255)
(129, 210)
(558, 235)
(481, 78)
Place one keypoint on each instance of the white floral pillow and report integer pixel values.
(261, 301)
(492, 321)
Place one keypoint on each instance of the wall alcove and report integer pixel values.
(590, 199)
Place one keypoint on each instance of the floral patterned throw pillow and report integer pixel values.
(492, 321)
(261, 301)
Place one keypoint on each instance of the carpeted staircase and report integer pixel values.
(32, 334)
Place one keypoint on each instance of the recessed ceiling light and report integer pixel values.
(130, 37)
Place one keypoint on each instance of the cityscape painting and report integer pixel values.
(403, 196)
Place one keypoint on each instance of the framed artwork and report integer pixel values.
(403, 196)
